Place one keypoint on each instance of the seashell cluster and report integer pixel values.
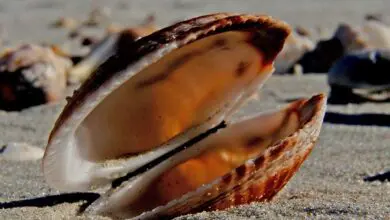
(151, 129)
(372, 34)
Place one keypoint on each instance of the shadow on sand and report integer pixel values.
(369, 119)
(51, 200)
(382, 177)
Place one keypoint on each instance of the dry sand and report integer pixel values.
(354, 142)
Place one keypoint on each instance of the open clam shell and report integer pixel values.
(166, 100)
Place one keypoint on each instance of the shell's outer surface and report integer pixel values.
(257, 179)
(259, 38)
(31, 75)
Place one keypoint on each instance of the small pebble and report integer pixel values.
(16, 151)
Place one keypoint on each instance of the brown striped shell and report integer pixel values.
(158, 106)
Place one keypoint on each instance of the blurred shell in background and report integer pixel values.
(31, 75)
(372, 34)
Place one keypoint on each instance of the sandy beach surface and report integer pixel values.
(354, 143)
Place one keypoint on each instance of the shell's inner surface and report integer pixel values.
(183, 89)
(214, 157)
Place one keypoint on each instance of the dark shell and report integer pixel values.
(366, 71)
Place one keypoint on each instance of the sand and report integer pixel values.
(354, 142)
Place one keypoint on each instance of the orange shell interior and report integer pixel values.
(183, 89)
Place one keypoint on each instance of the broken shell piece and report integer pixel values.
(31, 75)
(15, 151)
(161, 106)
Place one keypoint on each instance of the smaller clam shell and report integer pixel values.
(31, 75)
(257, 179)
